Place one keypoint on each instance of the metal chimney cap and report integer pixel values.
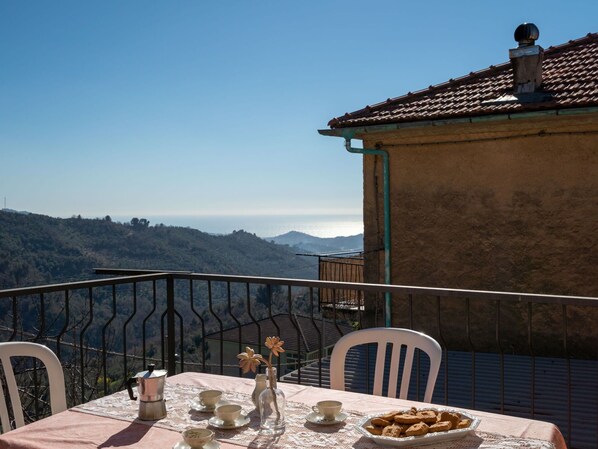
(526, 34)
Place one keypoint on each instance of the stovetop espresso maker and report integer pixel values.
(150, 386)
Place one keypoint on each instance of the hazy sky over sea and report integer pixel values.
(210, 108)
(262, 225)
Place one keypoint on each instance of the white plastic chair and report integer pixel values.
(55, 379)
(382, 336)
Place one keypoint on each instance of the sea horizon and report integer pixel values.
(264, 226)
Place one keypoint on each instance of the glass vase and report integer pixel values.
(271, 406)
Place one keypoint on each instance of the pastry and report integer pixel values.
(406, 418)
(374, 430)
(448, 416)
(441, 426)
(427, 416)
(414, 422)
(380, 422)
(421, 428)
(392, 431)
(464, 423)
(390, 416)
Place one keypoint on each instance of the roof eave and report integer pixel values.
(353, 132)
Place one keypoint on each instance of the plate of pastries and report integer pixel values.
(415, 426)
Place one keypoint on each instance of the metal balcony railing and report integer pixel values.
(522, 354)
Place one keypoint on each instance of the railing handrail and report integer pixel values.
(23, 291)
(398, 289)
(132, 275)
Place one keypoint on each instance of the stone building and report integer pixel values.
(492, 177)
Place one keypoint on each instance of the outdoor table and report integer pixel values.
(111, 422)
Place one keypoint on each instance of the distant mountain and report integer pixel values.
(301, 242)
(37, 249)
(6, 209)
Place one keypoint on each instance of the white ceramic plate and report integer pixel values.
(429, 438)
(316, 418)
(241, 421)
(199, 407)
(211, 445)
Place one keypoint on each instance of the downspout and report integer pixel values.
(386, 192)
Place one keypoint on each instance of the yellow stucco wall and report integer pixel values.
(508, 205)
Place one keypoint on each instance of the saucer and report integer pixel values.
(241, 421)
(211, 445)
(316, 418)
(199, 407)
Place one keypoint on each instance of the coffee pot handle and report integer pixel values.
(130, 382)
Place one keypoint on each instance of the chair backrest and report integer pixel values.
(398, 338)
(55, 379)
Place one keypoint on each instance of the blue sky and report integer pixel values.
(207, 108)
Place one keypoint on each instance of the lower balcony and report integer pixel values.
(518, 354)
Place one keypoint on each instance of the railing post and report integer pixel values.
(170, 332)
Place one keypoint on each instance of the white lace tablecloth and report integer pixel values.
(299, 433)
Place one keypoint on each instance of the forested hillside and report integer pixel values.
(37, 249)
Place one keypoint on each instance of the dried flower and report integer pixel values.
(249, 360)
(275, 345)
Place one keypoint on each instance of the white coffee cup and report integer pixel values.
(209, 398)
(228, 413)
(197, 437)
(328, 409)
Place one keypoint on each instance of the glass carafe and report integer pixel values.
(271, 405)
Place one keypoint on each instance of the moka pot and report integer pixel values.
(150, 387)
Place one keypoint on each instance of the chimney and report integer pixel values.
(526, 60)
(527, 70)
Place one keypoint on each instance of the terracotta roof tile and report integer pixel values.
(570, 75)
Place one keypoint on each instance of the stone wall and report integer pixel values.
(502, 205)
(519, 213)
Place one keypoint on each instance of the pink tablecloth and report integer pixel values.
(83, 428)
